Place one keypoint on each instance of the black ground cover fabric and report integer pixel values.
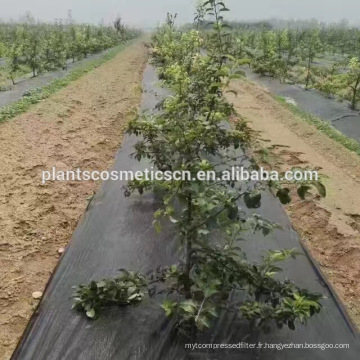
(116, 232)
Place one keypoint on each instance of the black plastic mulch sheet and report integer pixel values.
(117, 232)
(337, 113)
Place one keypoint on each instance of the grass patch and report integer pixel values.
(21, 106)
(322, 126)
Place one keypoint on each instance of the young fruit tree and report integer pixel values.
(351, 80)
(14, 60)
(33, 46)
(310, 46)
(209, 218)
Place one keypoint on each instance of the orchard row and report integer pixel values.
(325, 57)
(38, 47)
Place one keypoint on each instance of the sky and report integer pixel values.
(147, 13)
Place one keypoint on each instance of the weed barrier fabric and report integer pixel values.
(116, 232)
(337, 113)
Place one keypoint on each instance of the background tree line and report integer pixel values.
(37, 47)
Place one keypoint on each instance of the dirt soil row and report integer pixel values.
(328, 227)
(79, 127)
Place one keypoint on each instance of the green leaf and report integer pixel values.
(189, 306)
(169, 307)
(284, 196)
(216, 85)
(252, 200)
(101, 284)
(270, 273)
(291, 325)
(210, 291)
(91, 313)
(203, 322)
(157, 226)
(320, 188)
(174, 221)
(230, 57)
(134, 296)
(303, 191)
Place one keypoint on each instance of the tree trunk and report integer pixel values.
(308, 74)
(189, 239)
(353, 100)
(355, 90)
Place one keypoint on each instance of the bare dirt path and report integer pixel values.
(329, 227)
(79, 127)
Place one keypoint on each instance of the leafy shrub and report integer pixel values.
(184, 135)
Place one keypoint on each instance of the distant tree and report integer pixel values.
(310, 47)
(14, 61)
(33, 45)
(54, 47)
(291, 46)
(352, 80)
(170, 19)
(200, 14)
(120, 27)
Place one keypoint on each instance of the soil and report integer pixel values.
(329, 227)
(79, 127)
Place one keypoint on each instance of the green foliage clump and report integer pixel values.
(123, 290)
